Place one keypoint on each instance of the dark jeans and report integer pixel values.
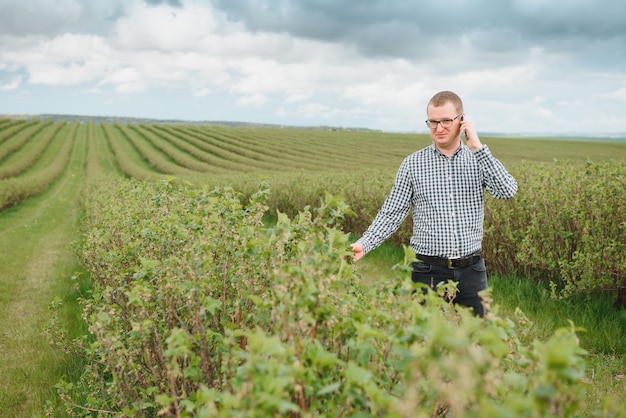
(470, 280)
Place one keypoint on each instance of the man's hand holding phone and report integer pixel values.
(471, 136)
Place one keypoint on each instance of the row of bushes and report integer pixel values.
(14, 190)
(566, 225)
(198, 309)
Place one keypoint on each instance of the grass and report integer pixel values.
(512, 151)
(37, 264)
(603, 332)
(604, 326)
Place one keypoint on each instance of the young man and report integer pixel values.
(444, 185)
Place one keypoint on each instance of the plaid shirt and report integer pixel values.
(447, 198)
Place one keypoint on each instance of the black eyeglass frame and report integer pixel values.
(445, 123)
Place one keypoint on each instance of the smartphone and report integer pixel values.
(463, 132)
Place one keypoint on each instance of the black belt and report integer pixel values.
(451, 263)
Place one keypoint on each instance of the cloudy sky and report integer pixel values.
(521, 66)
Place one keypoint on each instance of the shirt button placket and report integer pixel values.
(452, 222)
(455, 235)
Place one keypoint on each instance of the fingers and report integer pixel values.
(467, 127)
(471, 136)
(357, 249)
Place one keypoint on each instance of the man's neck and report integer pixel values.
(449, 152)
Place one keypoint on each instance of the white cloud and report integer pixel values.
(374, 64)
(545, 113)
(63, 60)
(252, 100)
(202, 92)
(14, 84)
(619, 94)
(165, 28)
(297, 97)
(126, 80)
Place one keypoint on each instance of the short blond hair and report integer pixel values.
(444, 97)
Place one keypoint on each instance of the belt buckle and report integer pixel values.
(451, 265)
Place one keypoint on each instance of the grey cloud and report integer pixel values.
(173, 3)
(37, 17)
(408, 29)
(25, 18)
(42, 17)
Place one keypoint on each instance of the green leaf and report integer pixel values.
(357, 375)
(333, 387)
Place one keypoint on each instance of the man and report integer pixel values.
(444, 185)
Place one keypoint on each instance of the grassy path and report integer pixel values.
(36, 265)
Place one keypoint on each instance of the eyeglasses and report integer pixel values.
(445, 123)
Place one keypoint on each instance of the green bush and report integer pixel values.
(566, 225)
(197, 309)
(363, 192)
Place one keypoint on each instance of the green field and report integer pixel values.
(48, 169)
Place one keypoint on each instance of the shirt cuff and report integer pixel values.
(367, 246)
(483, 154)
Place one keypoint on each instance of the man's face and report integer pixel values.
(444, 137)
